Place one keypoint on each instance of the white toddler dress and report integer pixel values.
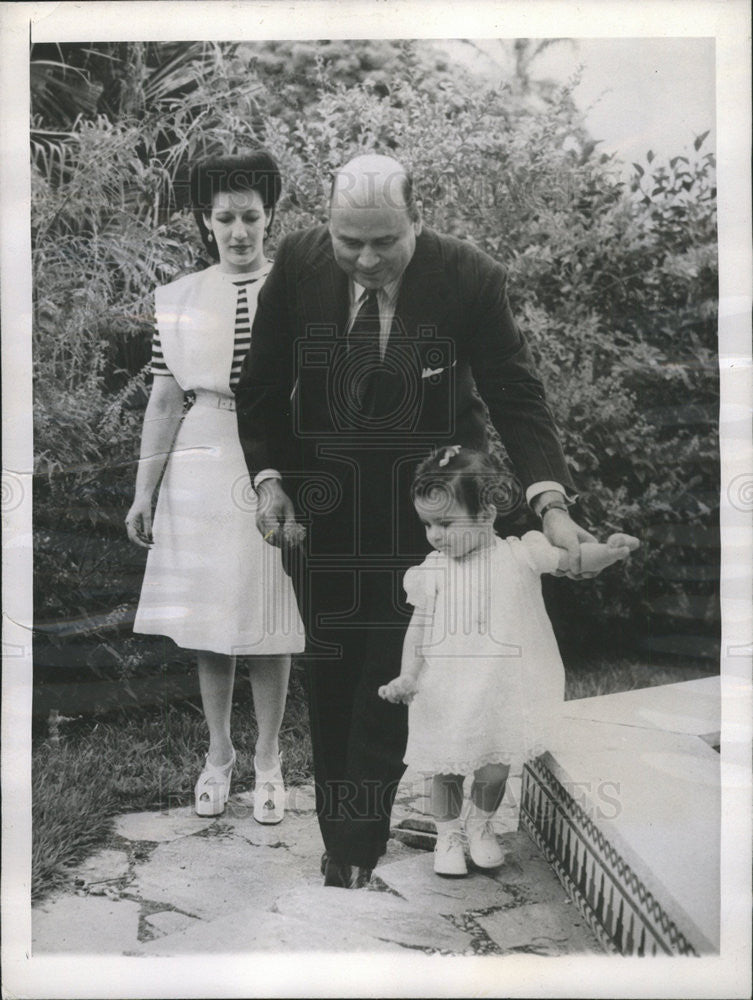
(211, 582)
(493, 680)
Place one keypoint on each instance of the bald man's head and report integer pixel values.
(374, 220)
(371, 180)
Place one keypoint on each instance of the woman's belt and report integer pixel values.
(218, 401)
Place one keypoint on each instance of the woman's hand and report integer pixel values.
(138, 523)
(400, 689)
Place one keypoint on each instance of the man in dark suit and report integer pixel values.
(369, 337)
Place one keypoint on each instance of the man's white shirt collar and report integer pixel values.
(387, 293)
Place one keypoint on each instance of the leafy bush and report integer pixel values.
(613, 283)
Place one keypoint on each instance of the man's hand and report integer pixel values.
(400, 689)
(560, 530)
(275, 514)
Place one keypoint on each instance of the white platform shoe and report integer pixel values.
(269, 794)
(213, 788)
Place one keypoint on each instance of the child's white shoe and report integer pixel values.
(449, 856)
(483, 845)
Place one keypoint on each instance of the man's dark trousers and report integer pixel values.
(355, 614)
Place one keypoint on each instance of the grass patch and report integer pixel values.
(590, 678)
(72, 810)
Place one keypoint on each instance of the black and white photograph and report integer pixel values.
(351, 350)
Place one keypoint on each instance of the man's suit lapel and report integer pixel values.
(418, 340)
(422, 300)
(324, 294)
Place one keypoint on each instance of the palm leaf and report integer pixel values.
(60, 92)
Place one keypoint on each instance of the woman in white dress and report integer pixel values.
(211, 583)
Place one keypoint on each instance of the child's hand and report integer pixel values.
(595, 556)
(400, 689)
(625, 543)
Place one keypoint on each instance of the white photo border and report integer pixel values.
(78, 976)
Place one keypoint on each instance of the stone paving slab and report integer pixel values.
(90, 924)
(252, 930)
(379, 914)
(161, 826)
(540, 929)
(211, 876)
(414, 879)
(104, 867)
(526, 874)
(171, 922)
(298, 833)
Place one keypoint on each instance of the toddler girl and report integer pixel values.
(480, 667)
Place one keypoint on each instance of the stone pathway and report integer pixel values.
(171, 883)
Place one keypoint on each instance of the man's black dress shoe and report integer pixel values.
(361, 878)
(337, 875)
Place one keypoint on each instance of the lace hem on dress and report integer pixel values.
(469, 765)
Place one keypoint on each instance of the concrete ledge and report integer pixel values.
(691, 707)
(626, 808)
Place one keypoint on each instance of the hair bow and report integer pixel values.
(449, 453)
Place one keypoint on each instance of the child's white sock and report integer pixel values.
(476, 816)
(447, 826)
(449, 855)
(482, 842)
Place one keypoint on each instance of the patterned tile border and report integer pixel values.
(623, 914)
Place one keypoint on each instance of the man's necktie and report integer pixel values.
(364, 358)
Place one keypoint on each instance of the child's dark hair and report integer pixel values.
(253, 170)
(475, 479)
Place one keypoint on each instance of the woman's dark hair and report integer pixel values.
(254, 170)
(474, 479)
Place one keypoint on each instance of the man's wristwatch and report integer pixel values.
(552, 505)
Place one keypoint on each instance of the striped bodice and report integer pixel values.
(242, 329)
(245, 307)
